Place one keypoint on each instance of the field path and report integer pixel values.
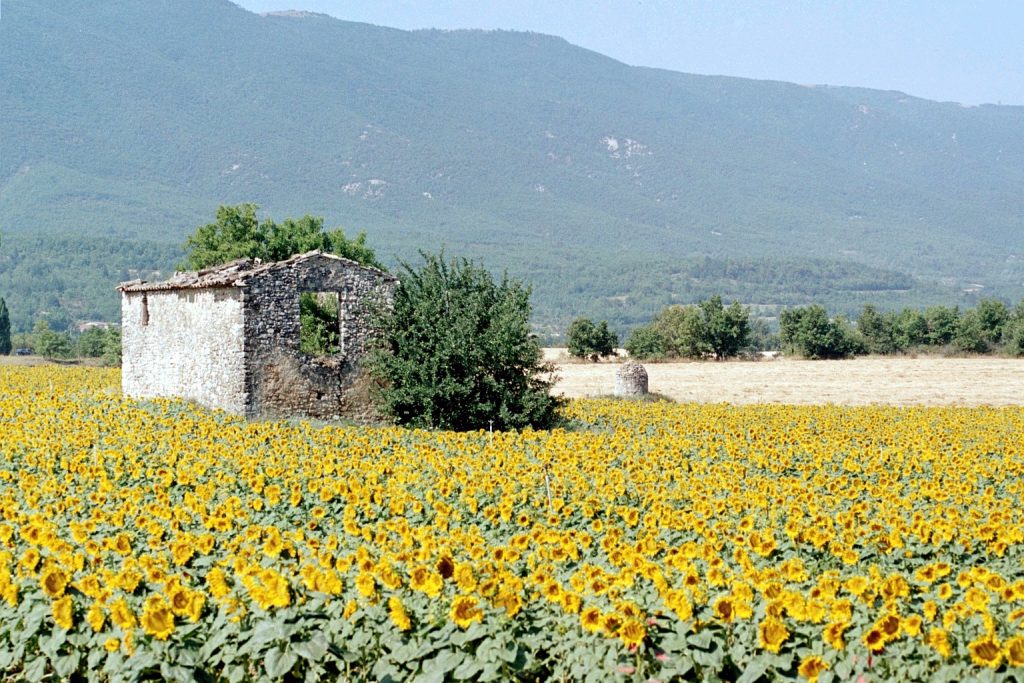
(863, 381)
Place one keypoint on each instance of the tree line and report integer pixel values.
(712, 330)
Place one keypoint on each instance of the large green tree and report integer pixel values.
(5, 329)
(589, 340)
(809, 332)
(237, 233)
(708, 329)
(50, 343)
(455, 351)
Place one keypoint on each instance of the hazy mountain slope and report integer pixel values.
(135, 120)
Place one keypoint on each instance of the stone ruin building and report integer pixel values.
(228, 337)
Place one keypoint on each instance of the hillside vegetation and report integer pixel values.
(134, 121)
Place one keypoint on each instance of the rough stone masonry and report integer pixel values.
(228, 337)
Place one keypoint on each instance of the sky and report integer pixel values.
(967, 51)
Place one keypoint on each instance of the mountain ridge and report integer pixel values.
(136, 121)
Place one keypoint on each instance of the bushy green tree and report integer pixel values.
(238, 233)
(910, 329)
(877, 330)
(112, 348)
(971, 334)
(5, 329)
(809, 332)
(942, 324)
(454, 351)
(992, 318)
(726, 331)
(646, 343)
(90, 344)
(589, 340)
(706, 329)
(683, 329)
(49, 343)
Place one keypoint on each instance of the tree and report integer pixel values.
(51, 344)
(112, 348)
(809, 332)
(706, 329)
(646, 343)
(992, 317)
(911, 329)
(587, 340)
(971, 335)
(942, 324)
(238, 233)
(5, 329)
(726, 330)
(91, 343)
(877, 330)
(454, 351)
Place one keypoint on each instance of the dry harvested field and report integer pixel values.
(863, 381)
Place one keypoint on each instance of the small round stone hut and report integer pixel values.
(631, 379)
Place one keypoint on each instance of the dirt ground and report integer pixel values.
(863, 381)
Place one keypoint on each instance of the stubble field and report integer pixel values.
(898, 381)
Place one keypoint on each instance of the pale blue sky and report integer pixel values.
(969, 51)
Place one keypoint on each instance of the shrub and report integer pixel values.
(455, 351)
(646, 343)
(809, 332)
(587, 340)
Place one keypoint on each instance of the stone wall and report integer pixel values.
(282, 381)
(186, 343)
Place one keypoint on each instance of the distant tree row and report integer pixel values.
(711, 330)
(989, 327)
(95, 342)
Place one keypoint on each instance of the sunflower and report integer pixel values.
(590, 619)
(986, 651)
(771, 634)
(53, 581)
(632, 633)
(399, 615)
(157, 618)
(811, 667)
(62, 612)
(1014, 651)
(464, 611)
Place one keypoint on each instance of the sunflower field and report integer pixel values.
(649, 541)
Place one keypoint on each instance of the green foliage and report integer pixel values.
(707, 329)
(877, 330)
(971, 333)
(647, 343)
(910, 329)
(319, 331)
(587, 340)
(992, 317)
(808, 331)
(50, 343)
(238, 233)
(942, 324)
(98, 342)
(91, 343)
(112, 348)
(726, 331)
(455, 351)
(5, 329)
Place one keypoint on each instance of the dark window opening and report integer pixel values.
(145, 310)
(319, 327)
